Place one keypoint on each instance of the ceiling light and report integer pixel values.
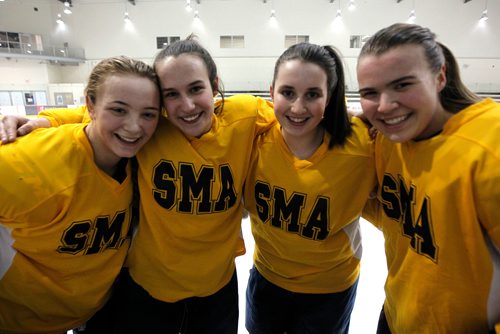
(67, 10)
(59, 19)
(351, 5)
(126, 17)
(484, 15)
(412, 17)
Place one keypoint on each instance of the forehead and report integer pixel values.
(396, 62)
(299, 72)
(126, 85)
(182, 66)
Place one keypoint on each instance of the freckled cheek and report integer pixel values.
(369, 108)
(169, 107)
(280, 107)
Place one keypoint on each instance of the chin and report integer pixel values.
(396, 138)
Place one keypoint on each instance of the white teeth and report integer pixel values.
(297, 119)
(191, 118)
(129, 140)
(395, 120)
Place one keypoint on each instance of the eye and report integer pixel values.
(197, 89)
(150, 114)
(118, 110)
(287, 93)
(402, 85)
(169, 95)
(312, 95)
(367, 94)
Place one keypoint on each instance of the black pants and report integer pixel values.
(215, 314)
(383, 326)
(105, 320)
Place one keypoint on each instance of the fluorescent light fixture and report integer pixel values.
(484, 15)
(59, 19)
(351, 5)
(67, 10)
(412, 17)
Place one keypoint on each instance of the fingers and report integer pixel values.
(13, 126)
(8, 128)
(25, 129)
(373, 132)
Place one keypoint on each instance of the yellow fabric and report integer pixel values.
(66, 115)
(191, 202)
(63, 231)
(441, 222)
(304, 213)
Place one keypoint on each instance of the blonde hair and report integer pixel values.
(113, 66)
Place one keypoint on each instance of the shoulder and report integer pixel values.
(45, 143)
(478, 125)
(245, 106)
(359, 141)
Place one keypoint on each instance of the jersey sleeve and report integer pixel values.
(61, 116)
(265, 115)
(487, 189)
(372, 211)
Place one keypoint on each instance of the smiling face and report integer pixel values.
(124, 117)
(300, 97)
(187, 93)
(400, 94)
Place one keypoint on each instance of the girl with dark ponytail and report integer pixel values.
(309, 179)
(437, 158)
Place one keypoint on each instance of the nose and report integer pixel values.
(187, 104)
(386, 103)
(298, 106)
(132, 123)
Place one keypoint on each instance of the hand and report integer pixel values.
(13, 126)
(372, 132)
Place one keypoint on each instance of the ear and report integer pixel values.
(215, 84)
(441, 78)
(271, 91)
(90, 107)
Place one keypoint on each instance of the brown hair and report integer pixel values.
(455, 96)
(336, 120)
(191, 46)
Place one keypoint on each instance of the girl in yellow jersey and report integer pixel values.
(66, 197)
(438, 166)
(309, 179)
(191, 174)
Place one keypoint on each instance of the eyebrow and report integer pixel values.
(393, 82)
(120, 102)
(194, 83)
(292, 87)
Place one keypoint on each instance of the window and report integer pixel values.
(13, 39)
(3, 39)
(295, 39)
(357, 41)
(20, 41)
(232, 42)
(163, 41)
